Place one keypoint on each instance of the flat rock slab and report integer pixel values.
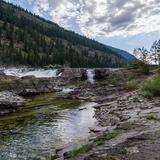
(10, 102)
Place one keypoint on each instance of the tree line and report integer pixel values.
(26, 39)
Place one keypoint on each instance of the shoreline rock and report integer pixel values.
(10, 102)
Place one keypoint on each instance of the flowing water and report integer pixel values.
(46, 123)
(21, 72)
(90, 75)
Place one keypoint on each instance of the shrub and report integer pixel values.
(151, 87)
(145, 69)
(158, 70)
(115, 81)
(141, 66)
(147, 94)
(132, 85)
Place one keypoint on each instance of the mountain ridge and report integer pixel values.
(123, 53)
(50, 42)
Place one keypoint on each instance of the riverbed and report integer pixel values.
(45, 123)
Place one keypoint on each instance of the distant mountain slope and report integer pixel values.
(129, 57)
(27, 39)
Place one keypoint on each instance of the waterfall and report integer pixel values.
(90, 75)
(43, 73)
(32, 72)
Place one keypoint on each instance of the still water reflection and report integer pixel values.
(39, 130)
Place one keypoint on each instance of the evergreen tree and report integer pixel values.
(30, 40)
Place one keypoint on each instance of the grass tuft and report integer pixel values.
(151, 87)
(136, 100)
(115, 81)
(106, 137)
(132, 85)
(124, 151)
(82, 150)
(152, 117)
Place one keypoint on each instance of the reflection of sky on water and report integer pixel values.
(42, 139)
(77, 124)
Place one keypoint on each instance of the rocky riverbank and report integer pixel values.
(31, 85)
(135, 120)
(128, 123)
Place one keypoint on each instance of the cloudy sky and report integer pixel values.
(125, 24)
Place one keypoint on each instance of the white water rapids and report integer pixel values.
(90, 75)
(21, 72)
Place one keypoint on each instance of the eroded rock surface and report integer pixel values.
(9, 102)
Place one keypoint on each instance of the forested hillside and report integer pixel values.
(26, 39)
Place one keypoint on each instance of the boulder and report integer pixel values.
(84, 74)
(71, 74)
(101, 73)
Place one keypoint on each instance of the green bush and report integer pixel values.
(132, 85)
(147, 94)
(151, 87)
(141, 66)
(158, 70)
(115, 81)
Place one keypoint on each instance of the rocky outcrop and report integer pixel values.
(84, 74)
(101, 73)
(29, 92)
(41, 85)
(30, 85)
(9, 102)
(2, 73)
(72, 74)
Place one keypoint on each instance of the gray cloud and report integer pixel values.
(104, 17)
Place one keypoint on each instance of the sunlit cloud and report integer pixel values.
(106, 18)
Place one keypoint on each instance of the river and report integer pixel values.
(45, 123)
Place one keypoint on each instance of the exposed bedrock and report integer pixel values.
(10, 102)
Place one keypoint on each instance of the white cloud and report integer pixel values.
(62, 12)
(40, 6)
(104, 17)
